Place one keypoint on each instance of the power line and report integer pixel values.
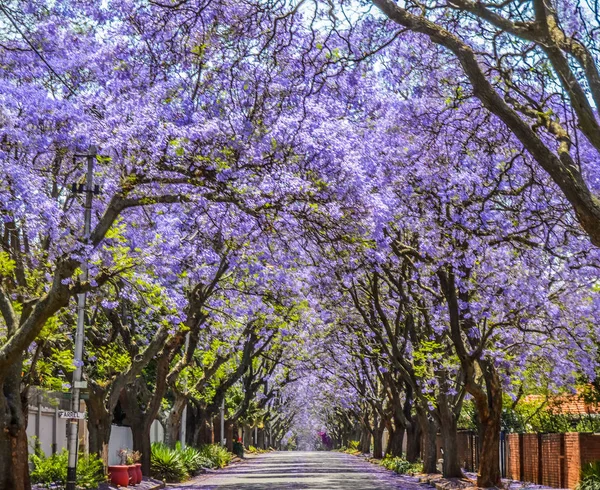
(35, 50)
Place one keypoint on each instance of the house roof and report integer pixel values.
(567, 404)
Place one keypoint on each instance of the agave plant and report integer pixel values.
(193, 459)
(167, 464)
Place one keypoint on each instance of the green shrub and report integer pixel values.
(192, 459)
(219, 455)
(52, 470)
(354, 445)
(590, 477)
(167, 464)
(400, 465)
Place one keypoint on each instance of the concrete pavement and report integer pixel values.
(304, 471)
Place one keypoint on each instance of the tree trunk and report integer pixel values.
(99, 421)
(140, 423)
(395, 443)
(378, 440)
(247, 436)
(429, 429)
(141, 442)
(490, 417)
(229, 435)
(172, 421)
(413, 441)
(451, 467)
(203, 433)
(365, 441)
(14, 468)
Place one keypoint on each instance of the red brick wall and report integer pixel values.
(572, 459)
(530, 458)
(552, 451)
(513, 464)
(589, 446)
(466, 451)
(562, 457)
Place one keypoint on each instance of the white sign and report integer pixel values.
(71, 415)
(82, 385)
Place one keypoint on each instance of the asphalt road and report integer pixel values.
(304, 470)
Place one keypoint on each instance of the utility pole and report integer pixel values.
(223, 421)
(89, 189)
(183, 423)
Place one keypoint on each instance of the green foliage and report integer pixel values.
(354, 445)
(52, 470)
(192, 459)
(402, 466)
(219, 455)
(353, 448)
(167, 464)
(90, 471)
(590, 477)
(178, 464)
(256, 450)
(546, 417)
(46, 470)
(7, 265)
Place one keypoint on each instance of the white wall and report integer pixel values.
(120, 438)
(43, 423)
(157, 432)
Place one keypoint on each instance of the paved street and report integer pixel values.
(304, 470)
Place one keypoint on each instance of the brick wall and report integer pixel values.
(513, 453)
(553, 460)
(589, 445)
(572, 459)
(552, 453)
(530, 459)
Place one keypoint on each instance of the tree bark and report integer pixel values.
(140, 422)
(395, 443)
(365, 440)
(378, 427)
(413, 441)
(229, 435)
(14, 468)
(378, 442)
(429, 429)
(448, 424)
(172, 421)
(140, 430)
(490, 414)
(99, 421)
(247, 436)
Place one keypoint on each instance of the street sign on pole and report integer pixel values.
(68, 414)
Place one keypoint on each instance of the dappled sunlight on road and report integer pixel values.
(304, 470)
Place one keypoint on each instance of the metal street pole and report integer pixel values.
(183, 423)
(79, 335)
(223, 422)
